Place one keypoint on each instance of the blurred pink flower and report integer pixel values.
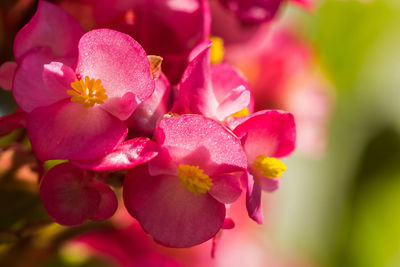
(170, 29)
(71, 196)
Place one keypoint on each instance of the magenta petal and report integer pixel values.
(9, 123)
(195, 88)
(197, 140)
(108, 203)
(167, 211)
(58, 77)
(67, 196)
(7, 71)
(119, 61)
(29, 89)
(253, 199)
(52, 27)
(269, 185)
(67, 130)
(127, 155)
(121, 107)
(226, 188)
(271, 133)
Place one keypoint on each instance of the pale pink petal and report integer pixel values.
(52, 27)
(7, 71)
(108, 203)
(29, 89)
(119, 62)
(67, 195)
(168, 212)
(121, 107)
(9, 123)
(58, 77)
(269, 185)
(127, 155)
(226, 187)
(68, 130)
(253, 199)
(231, 90)
(271, 133)
(197, 140)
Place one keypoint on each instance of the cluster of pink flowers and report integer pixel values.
(187, 136)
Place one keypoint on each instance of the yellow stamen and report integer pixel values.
(194, 179)
(269, 167)
(217, 50)
(241, 113)
(88, 92)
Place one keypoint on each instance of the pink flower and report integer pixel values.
(77, 113)
(266, 136)
(71, 196)
(170, 29)
(215, 91)
(253, 11)
(180, 199)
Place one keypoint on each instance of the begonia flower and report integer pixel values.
(266, 136)
(170, 29)
(71, 196)
(215, 91)
(77, 113)
(180, 198)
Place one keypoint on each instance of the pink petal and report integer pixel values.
(9, 123)
(231, 90)
(169, 213)
(67, 195)
(195, 88)
(52, 27)
(127, 155)
(144, 118)
(228, 224)
(58, 77)
(67, 130)
(253, 199)
(197, 140)
(7, 71)
(119, 61)
(108, 203)
(272, 133)
(121, 107)
(269, 185)
(226, 187)
(29, 89)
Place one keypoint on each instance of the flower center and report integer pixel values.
(269, 167)
(194, 179)
(88, 92)
(217, 50)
